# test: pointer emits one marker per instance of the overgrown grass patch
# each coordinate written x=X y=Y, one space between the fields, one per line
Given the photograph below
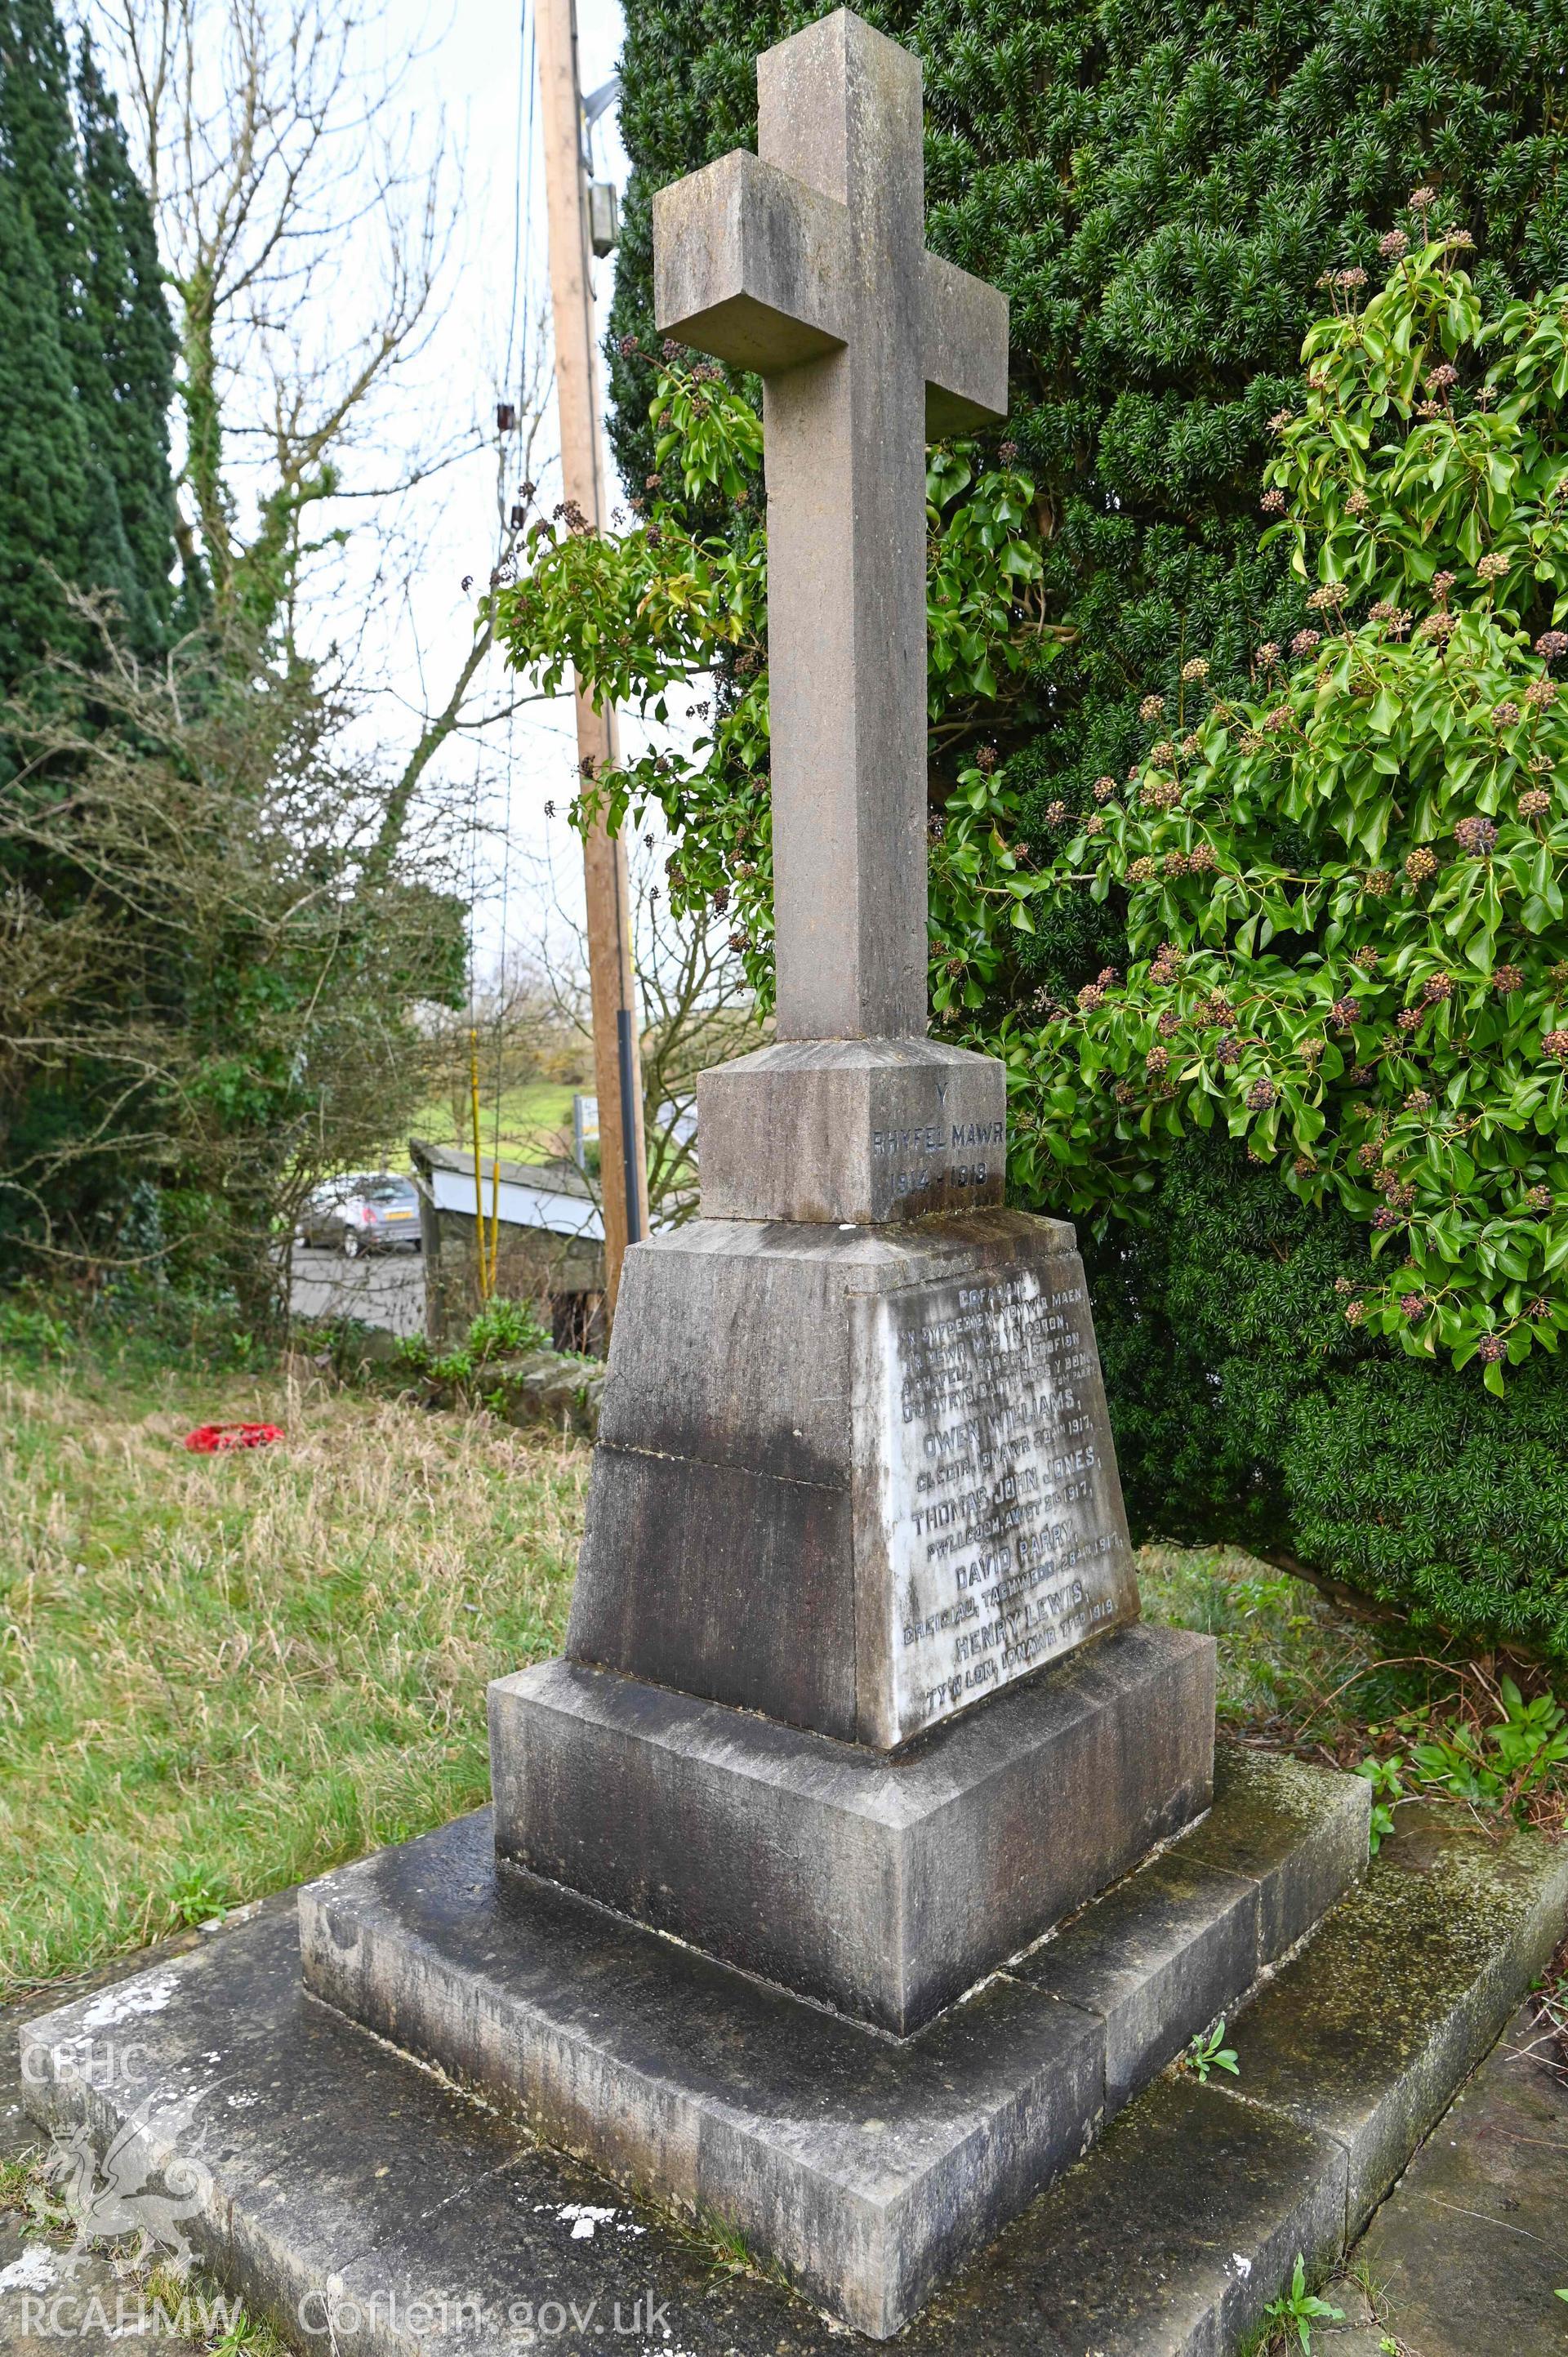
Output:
x=1291 y=1667
x=534 y=1123
x=219 y=1675
x=1424 y=1719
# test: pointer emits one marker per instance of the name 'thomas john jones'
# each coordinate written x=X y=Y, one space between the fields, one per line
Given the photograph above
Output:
x=1001 y=1512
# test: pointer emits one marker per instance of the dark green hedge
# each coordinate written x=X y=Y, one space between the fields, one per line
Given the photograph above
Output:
x=1247 y=1410
x=1159 y=186
x=86 y=358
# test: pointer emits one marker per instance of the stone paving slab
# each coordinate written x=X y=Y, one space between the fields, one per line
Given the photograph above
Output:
x=50 y=2304
x=1367 y=2033
x=1166 y=2241
x=868 y=2166
x=1155 y=1959
x=46 y=2295
x=1270 y=1823
x=353 y=2194
x=1471 y=2248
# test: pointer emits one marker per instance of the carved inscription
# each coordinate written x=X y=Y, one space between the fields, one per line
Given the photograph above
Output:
x=1004 y=1529
x=940 y=1153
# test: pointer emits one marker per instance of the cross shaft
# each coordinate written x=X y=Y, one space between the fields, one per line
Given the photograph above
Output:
x=807 y=263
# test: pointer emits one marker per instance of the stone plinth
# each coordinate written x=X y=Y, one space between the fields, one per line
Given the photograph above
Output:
x=853 y=1131
x=344 y=2193
x=883 y=1889
x=867 y=2168
x=858 y=1481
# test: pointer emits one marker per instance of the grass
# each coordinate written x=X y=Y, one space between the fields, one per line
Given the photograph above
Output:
x=193 y=2307
x=1292 y=1670
x=535 y=1124
x=1295 y=1673
x=221 y=1674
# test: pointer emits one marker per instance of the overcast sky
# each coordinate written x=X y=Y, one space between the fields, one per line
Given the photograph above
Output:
x=479 y=70
x=448 y=87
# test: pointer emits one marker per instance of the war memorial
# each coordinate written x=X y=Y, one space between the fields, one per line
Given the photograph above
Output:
x=865 y=1856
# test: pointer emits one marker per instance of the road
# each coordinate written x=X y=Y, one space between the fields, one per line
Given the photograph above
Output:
x=385 y=1290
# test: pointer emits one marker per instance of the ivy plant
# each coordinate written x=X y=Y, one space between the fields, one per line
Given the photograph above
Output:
x=659 y=607
x=1343 y=891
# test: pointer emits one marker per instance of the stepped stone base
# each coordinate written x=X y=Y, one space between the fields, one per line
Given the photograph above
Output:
x=867 y=2168
x=883 y=1888
x=365 y=2206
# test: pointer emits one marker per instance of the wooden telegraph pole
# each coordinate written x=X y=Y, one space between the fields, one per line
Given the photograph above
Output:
x=623 y=1161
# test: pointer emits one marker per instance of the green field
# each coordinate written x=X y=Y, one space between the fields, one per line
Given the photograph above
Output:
x=535 y=1124
x=219 y=1674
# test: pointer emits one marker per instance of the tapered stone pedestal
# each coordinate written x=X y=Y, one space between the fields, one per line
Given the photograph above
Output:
x=856 y=1479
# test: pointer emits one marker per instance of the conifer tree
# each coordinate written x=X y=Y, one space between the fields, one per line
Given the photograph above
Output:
x=44 y=498
x=86 y=506
x=86 y=358
x=128 y=345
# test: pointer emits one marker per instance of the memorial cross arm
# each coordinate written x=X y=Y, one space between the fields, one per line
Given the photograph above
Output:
x=963 y=327
x=751 y=266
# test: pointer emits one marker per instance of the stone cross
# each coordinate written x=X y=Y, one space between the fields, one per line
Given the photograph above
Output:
x=807 y=263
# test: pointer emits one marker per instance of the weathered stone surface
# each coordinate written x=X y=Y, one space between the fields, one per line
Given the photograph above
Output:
x=882 y=1888
x=1470 y=2250
x=719 y=1580
x=855 y=1131
x=190 y=2070
x=867 y=2168
x=1300 y=1834
x=49 y=2295
x=807 y=261
x=420 y=2228
x=1165 y=2241
x=751 y=265
x=1168 y=2241
x=1177 y=1942
x=1367 y=2033
x=351 y=2199
x=1157 y=1959
x=898 y=1436
x=732 y=1340
x=541 y=1387
x=990 y=1536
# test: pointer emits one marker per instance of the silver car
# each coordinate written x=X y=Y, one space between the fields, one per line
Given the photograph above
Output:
x=363 y=1211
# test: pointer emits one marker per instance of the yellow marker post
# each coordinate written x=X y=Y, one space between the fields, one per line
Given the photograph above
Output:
x=495 y=1200
x=478 y=1181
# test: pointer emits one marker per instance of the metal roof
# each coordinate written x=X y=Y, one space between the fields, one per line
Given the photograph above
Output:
x=553 y=1196
x=518 y=1203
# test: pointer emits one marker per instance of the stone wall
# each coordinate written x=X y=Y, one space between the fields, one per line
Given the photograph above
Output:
x=564 y=1273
